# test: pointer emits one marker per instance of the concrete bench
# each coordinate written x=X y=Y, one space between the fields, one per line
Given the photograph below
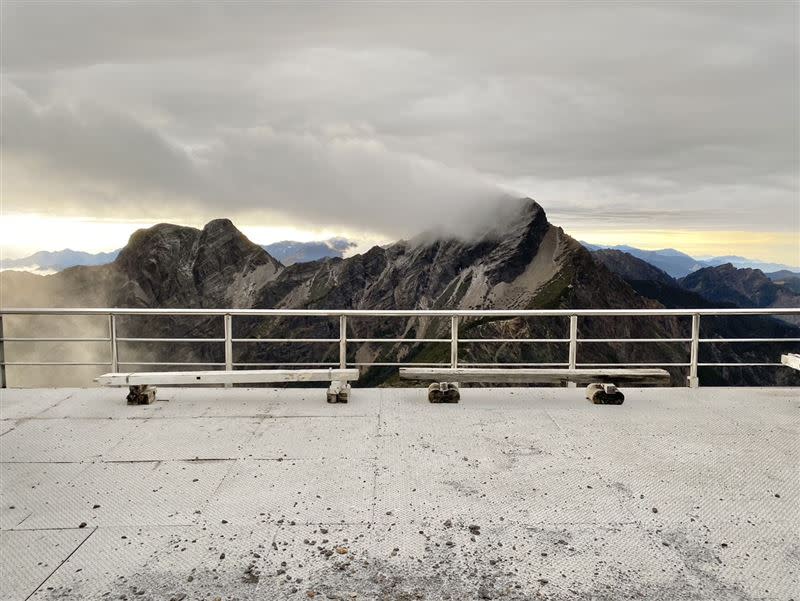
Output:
x=142 y=384
x=601 y=382
x=791 y=360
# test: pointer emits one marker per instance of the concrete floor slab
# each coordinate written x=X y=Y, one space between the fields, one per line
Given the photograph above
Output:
x=324 y=491
x=34 y=491
x=342 y=436
x=110 y=494
x=62 y=439
x=29 y=557
x=186 y=438
x=513 y=493
x=14 y=405
x=163 y=562
x=183 y=402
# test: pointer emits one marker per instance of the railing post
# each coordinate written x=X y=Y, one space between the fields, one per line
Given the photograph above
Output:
x=2 y=357
x=228 y=322
x=342 y=341
x=573 y=345
x=454 y=341
x=112 y=334
x=693 y=380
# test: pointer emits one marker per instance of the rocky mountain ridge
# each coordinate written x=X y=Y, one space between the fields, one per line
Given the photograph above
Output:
x=523 y=263
x=741 y=287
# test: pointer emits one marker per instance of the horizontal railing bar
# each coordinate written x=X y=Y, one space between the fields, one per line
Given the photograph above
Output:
x=55 y=339
x=402 y=312
x=634 y=364
x=24 y=363
x=166 y=363
x=273 y=340
x=634 y=340
x=120 y=339
x=740 y=364
x=504 y=340
x=396 y=364
x=328 y=364
x=330 y=340
x=400 y=340
x=466 y=364
x=750 y=340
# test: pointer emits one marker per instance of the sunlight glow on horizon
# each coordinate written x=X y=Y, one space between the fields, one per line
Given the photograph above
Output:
x=776 y=247
x=23 y=234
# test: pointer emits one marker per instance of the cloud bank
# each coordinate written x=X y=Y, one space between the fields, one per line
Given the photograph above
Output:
x=387 y=118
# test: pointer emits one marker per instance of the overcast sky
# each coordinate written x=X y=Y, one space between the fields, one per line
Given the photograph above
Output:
x=677 y=121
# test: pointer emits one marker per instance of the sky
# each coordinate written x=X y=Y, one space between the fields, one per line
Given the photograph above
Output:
x=650 y=124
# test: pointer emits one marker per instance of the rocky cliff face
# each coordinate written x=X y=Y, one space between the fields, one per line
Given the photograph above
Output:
x=162 y=266
x=526 y=264
x=529 y=264
x=172 y=266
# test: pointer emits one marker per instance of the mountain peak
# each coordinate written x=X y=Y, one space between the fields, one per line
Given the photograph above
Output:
x=220 y=225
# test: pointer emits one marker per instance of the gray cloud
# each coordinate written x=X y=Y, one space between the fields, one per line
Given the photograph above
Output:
x=387 y=117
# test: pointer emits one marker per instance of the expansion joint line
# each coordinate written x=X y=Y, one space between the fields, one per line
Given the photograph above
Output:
x=66 y=559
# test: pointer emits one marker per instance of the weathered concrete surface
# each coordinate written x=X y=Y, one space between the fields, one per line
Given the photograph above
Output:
x=511 y=494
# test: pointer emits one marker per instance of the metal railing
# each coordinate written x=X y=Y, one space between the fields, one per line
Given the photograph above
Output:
x=342 y=340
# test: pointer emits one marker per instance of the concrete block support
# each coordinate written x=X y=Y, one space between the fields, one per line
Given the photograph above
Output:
x=338 y=392
x=444 y=392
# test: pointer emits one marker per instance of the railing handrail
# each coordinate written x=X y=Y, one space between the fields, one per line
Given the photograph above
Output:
x=402 y=312
x=343 y=314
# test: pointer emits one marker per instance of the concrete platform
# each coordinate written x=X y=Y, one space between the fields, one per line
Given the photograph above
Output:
x=515 y=493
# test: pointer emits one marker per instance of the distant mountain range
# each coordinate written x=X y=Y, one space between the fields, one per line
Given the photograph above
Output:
x=674 y=262
x=522 y=263
x=286 y=251
x=45 y=262
x=679 y=264
x=718 y=286
x=289 y=252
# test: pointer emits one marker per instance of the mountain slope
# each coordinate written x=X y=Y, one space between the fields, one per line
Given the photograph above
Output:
x=742 y=287
x=787 y=279
x=528 y=263
x=631 y=268
x=669 y=260
x=672 y=295
x=678 y=264
x=162 y=266
x=745 y=263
